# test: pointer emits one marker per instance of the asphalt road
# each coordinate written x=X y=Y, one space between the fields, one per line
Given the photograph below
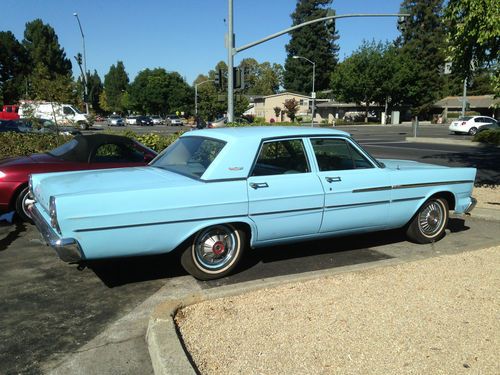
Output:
x=49 y=308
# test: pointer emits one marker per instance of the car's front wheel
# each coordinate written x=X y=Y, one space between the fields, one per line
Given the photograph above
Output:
x=429 y=223
x=22 y=202
x=214 y=252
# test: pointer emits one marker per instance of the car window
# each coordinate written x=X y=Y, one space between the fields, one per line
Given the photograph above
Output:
x=190 y=155
x=479 y=119
x=65 y=148
x=68 y=111
x=281 y=157
x=117 y=153
x=337 y=154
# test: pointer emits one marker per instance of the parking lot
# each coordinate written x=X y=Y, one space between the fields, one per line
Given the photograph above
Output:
x=50 y=308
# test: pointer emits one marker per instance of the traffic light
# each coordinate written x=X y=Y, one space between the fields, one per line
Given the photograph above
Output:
x=217 y=79
x=237 y=78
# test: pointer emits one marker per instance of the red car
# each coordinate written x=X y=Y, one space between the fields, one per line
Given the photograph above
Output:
x=97 y=151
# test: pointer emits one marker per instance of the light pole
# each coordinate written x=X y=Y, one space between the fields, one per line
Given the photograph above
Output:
x=85 y=88
x=196 y=95
x=313 y=94
x=232 y=51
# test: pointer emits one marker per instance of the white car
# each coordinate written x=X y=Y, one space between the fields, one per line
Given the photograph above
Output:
x=174 y=120
x=157 y=120
x=131 y=120
x=473 y=124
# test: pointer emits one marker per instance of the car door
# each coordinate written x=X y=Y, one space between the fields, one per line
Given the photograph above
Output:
x=285 y=196
x=357 y=191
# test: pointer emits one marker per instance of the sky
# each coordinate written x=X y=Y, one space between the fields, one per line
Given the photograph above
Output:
x=186 y=36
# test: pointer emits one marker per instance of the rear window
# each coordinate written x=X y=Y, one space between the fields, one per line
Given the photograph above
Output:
x=63 y=149
x=189 y=156
x=465 y=118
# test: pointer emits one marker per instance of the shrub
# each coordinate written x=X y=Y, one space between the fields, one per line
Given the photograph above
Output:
x=488 y=136
x=19 y=144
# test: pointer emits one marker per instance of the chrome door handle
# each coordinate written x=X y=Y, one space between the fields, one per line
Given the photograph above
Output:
x=333 y=179
x=258 y=185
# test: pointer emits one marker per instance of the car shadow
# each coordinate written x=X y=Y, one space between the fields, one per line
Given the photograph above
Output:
x=18 y=228
x=457 y=225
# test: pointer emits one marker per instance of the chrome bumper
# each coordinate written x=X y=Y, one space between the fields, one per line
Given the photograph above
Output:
x=472 y=204
x=68 y=249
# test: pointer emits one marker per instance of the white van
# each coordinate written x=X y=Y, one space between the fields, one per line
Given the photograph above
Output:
x=64 y=114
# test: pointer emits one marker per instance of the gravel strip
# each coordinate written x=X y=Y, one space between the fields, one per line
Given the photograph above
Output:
x=435 y=316
x=487 y=197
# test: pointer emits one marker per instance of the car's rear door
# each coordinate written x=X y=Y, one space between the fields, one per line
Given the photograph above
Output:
x=285 y=196
x=357 y=191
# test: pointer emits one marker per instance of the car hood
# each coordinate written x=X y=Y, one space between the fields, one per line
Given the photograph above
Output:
x=105 y=181
x=407 y=164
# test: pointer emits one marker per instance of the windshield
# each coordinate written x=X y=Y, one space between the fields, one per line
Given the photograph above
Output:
x=76 y=110
x=63 y=149
x=189 y=156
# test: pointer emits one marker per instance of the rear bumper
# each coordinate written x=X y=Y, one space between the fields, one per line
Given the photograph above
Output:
x=68 y=249
x=472 y=204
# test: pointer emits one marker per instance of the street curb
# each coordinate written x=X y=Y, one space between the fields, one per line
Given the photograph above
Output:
x=488 y=214
x=446 y=141
x=166 y=350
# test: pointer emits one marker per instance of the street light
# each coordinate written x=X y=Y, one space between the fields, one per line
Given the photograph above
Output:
x=313 y=94
x=84 y=64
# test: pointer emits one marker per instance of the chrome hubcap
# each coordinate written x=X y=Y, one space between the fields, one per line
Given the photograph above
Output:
x=215 y=247
x=430 y=219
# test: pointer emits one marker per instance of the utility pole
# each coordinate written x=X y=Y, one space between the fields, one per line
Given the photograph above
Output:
x=84 y=65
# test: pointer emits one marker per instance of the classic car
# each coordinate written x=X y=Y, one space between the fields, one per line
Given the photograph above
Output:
x=213 y=194
x=82 y=152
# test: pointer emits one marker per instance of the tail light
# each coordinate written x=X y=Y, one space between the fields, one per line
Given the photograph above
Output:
x=2 y=175
x=53 y=214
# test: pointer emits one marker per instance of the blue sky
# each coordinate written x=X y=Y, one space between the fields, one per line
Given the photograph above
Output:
x=186 y=36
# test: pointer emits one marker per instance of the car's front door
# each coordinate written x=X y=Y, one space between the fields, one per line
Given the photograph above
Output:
x=285 y=197
x=357 y=191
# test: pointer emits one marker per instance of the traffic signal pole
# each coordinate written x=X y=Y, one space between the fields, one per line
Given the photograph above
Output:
x=232 y=51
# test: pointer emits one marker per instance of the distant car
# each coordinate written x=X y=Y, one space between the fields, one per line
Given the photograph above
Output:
x=473 y=124
x=36 y=126
x=115 y=120
x=97 y=151
x=222 y=122
x=13 y=126
x=214 y=193
x=173 y=120
x=144 y=121
x=157 y=120
x=131 y=120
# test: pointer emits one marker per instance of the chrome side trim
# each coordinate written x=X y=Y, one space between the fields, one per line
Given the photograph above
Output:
x=68 y=249
x=378 y=188
x=410 y=186
x=472 y=204
x=357 y=204
x=406 y=199
x=287 y=211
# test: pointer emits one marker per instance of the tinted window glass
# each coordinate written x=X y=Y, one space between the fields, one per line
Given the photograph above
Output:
x=63 y=149
x=190 y=155
x=281 y=157
x=117 y=153
x=337 y=154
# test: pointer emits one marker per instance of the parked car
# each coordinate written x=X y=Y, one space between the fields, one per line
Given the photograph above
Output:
x=35 y=125
x=64 y=114
x=144 y=121
x=115 y=120
x=157 y=120
x=14 y=126
x=96 y=151
x=131 y=120
x=214 y=193
x=222 y=122
x=473 y=124
x=173 y=120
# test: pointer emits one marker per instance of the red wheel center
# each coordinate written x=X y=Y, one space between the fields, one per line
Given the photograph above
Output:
x=218 y=248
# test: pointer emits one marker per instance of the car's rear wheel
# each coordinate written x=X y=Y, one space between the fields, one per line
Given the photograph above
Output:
x=22 y=201
x=429 y=223
x=214 y=252
x=473 y=131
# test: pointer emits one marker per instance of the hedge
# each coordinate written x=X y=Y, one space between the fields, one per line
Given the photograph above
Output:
x=488 y=136
x=19 y=144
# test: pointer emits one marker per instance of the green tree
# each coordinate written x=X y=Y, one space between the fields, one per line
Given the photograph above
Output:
x=422 y=44
x=367 y=76
x=94 y=88
x=13 y=68
x=316 y=42
x=115 y=85
x=473 y=33
x=42 y=45
x=261 y=79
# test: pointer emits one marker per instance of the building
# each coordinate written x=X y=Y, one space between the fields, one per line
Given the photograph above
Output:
x=485 y=105
x=264 y=106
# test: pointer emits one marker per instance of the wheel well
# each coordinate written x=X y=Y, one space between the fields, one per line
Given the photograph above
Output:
x=245 y=227
x=450 y=198
x=12 y=203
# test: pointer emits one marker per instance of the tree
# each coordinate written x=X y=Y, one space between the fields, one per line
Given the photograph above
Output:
x=366 y=76
x=261 y=79
x=277 y=111
x=42 y=45
x=115 y=85
x=291 y=108
x=94 y=88
x=473 y=34
x=13 y=68
x=422 y=45
x=317 y=42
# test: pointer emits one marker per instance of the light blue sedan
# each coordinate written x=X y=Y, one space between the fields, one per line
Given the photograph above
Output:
x=215 y=193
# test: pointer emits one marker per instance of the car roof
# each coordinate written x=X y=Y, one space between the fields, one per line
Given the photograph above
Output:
x=263 y=132
x=89 y=142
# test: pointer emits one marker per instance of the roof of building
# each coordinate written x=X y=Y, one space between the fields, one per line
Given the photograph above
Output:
x=475 y=101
